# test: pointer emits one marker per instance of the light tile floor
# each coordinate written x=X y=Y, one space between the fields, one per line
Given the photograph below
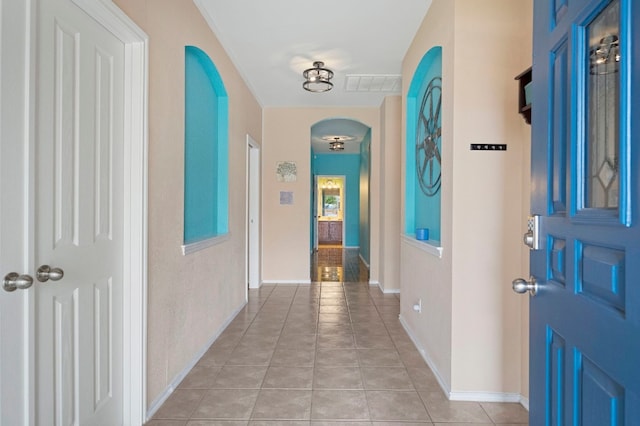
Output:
x=329 y=353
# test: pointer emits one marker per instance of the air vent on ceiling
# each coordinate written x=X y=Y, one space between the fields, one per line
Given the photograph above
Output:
x=388 y=83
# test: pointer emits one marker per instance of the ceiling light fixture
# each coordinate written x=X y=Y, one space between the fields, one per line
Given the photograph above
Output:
x=317 y=78
x=336 y=145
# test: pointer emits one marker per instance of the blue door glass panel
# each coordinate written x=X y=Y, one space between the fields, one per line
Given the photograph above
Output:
x=585 y=318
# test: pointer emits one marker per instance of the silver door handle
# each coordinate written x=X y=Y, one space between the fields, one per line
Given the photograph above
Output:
x=46 y=273
x=13 y=281
x=521 y=286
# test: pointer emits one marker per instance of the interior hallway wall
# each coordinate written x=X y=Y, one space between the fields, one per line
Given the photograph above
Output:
x=390 y=207
x=425 y=277
x=365 y=199
x=189 y=297
x=286 y=233
x=470 y=327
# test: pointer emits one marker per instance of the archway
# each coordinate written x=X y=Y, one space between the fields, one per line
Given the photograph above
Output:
x=340 y=150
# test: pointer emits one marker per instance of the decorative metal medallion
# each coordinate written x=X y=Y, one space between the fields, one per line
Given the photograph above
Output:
x=428 y=139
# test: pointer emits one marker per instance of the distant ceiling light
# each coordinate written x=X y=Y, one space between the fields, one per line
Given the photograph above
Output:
x=317 y=78
x=336 y=145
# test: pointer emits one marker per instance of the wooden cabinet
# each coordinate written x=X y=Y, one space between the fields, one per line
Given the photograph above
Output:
x=335 y=232
x=330 y=232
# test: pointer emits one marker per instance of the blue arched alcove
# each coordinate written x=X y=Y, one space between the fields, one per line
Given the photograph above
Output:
x=206 y=189
x=423 y=210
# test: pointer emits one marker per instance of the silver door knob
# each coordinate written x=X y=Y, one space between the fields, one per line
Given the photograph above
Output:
x=521 y=286
x=46 y=273
x=13 y=281
x=528 y=239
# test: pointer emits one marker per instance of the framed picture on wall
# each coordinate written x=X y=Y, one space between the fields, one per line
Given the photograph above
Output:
x=286 y=171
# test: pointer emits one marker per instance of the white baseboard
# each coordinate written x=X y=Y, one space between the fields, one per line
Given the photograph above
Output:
x=363 y=261
x=463 y=396
x=485 y=396
x=286 y=281
x=155 y=405
x=427 y=358
x=384 y=290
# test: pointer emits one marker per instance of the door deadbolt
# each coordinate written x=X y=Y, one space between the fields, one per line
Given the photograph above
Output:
x=531 y=238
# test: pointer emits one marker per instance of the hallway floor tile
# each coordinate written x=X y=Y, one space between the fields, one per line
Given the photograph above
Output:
x=326 y=354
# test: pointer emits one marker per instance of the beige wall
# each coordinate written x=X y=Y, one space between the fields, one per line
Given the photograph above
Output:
x=189 y=297
x=285 y=228
x=479 y=349
x=424 y=276
x=390 y=208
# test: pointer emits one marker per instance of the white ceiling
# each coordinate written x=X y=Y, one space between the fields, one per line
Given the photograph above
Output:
x=271 y=42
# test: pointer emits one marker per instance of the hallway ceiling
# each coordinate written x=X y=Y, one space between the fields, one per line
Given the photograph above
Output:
x=325 y=131
x=272 y=42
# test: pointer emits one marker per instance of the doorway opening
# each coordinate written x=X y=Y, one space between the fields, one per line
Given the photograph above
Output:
x=331 y=207
x=339 y=207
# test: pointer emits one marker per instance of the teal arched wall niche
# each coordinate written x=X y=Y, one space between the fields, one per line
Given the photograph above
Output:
x=206 y=188
x=421 y=211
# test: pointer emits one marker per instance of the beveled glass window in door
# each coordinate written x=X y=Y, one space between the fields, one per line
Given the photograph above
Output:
x=603 y=110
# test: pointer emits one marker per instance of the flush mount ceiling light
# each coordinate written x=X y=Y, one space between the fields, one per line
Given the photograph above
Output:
x=336 y=145
x=317 y=78
x=336 y=142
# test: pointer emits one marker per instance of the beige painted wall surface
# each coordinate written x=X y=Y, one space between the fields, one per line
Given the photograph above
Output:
x=422 y=275
x=485 y=44
x=189 y=297
x=390 y=207
x=285 y=228
x=488 y=217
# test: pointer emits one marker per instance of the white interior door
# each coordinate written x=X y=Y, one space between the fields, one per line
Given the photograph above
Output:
x=79 y=218
x=253 y=213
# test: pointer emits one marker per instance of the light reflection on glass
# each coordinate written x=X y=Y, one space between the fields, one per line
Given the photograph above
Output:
x=603 y=99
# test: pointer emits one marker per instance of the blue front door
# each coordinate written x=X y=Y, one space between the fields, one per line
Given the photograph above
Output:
x=585 y=318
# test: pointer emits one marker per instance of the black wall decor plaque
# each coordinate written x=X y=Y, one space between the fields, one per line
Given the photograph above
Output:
x=488 y=147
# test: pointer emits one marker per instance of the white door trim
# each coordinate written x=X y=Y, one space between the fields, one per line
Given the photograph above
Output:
x=253 y=213
x=16 y=382
x=314 y=214
x=135 y=199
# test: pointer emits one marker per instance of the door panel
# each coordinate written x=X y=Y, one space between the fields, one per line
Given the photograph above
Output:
x=585 y=160
x=560 y=117
x=79 y=218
